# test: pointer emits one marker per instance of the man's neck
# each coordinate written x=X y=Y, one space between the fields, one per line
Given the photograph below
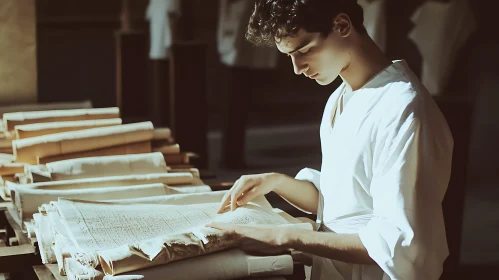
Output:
x=366 y=61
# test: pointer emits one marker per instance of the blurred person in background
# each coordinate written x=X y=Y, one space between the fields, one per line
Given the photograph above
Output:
x=243 y=63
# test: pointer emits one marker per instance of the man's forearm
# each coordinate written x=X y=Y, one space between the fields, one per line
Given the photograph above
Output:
x=342 y=247
x=302 y=194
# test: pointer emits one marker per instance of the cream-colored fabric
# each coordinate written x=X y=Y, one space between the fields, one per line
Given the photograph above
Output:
x=19 y=118
x=160 y=29
x=28 y=150
x=39 y=129
x=127 y=149
x=29 y=107
x=439 y=41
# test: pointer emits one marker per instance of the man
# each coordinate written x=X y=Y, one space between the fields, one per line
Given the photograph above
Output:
x=386 y=152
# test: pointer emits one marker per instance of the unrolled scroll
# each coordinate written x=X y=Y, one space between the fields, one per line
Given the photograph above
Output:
x=19 y=118
x=27 y=201
x=178 y=231
x=39 y=129
x=28 y=150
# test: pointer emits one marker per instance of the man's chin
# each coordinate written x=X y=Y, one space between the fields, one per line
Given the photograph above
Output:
x=324 y=82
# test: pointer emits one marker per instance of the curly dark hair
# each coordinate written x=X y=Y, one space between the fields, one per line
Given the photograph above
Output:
x=273 y=20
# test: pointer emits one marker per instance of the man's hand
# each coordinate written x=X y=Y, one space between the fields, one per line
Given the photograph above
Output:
x=247 y=188
x=257 y=239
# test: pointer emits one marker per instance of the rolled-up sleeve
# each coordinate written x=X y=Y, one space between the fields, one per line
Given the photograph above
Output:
x=313 y=176
x=411 y=170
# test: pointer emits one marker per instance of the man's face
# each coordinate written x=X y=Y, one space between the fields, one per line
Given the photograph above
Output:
x=317 y=57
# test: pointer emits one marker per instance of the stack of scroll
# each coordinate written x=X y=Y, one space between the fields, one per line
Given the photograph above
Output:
x=42 y=137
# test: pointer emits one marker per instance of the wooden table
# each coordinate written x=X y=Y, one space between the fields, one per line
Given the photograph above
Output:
x=17 y=260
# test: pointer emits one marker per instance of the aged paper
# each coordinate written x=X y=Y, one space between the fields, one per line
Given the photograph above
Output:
x=127 y=149
x=162 y=133
x=179 y=232
x=39 y=129
x=27 y=201
x=29 y=107
x=10 y=120
x=167 y=149
x=28 y=150
x=11 y=168
x=180 y=178
x=176 y=159
x=103 y=166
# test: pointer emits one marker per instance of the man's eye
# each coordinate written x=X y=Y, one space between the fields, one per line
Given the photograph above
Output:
x=305 y=51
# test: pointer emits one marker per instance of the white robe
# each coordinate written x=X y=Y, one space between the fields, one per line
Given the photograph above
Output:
x=375 y=20
x=159 y=27
x=439 y=41
x=386 y=163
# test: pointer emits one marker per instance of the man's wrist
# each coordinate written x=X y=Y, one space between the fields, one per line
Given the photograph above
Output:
x=278 y=181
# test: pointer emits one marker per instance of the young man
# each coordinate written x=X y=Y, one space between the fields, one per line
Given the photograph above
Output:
x=386 y=152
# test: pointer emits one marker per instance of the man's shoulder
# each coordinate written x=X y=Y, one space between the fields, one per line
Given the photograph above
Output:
x=399 y=97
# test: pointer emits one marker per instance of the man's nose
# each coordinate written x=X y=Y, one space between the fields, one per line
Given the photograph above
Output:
x=299 y=65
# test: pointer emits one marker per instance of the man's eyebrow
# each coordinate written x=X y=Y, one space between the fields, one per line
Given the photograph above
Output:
x=301 y=46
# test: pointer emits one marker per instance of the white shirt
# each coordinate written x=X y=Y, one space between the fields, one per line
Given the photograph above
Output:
x=386 y=163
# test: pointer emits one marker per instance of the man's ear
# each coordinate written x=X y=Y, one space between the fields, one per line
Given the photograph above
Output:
x=342 y=25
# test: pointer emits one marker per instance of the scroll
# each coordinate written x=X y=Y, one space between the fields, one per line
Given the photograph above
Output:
x=30 y=149
x=39 y=129
x=45 y=106
x=167 y=149
x=133 y=148
x=19 y=118
x=11 y=168
x=177 y=159
x=158 y=231
x=6 y=158
x=111 y=181
x=27 y=201
x=162 y=133
x=92 y=167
